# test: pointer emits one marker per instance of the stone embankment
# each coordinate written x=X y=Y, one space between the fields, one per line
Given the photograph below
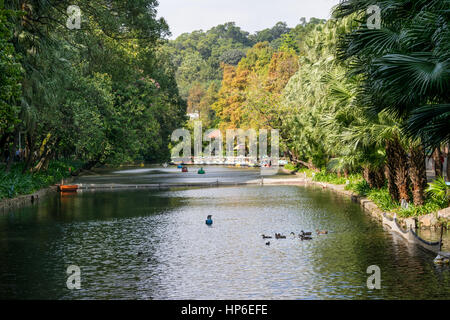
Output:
x=432 y=220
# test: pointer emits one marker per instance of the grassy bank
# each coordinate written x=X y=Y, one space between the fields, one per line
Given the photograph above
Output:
x=380 y=197
x=16 y=183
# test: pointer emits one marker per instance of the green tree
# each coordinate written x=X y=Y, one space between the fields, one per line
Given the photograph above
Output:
x=405 y=63
x=10 y=86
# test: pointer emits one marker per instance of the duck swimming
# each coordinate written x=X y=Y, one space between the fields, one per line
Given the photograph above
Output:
x=303 y=233
x=266 y=237
x=322 y=231
x=268 y=243
x=305 y=238
x=279 y=236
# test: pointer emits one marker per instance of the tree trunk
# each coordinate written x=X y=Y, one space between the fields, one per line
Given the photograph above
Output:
x=401 y=172
x=50 y=155
x=3 y=144
x=346 y=173
x=437 y=162
x=448 y=161
x=378 y=178
x=390 y=171
x=12 y=152
x=367 y=176
x=294 y=158
x=418 y=174
x=47 y=151
x=42 y=161
x=397 y=161
x=30 y=154
x=309 y=165
x=373 y=176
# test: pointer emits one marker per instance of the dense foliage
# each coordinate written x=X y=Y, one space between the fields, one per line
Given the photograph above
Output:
x=104 y=93
x=15 y=182
x=349 y=100
x=203 y=59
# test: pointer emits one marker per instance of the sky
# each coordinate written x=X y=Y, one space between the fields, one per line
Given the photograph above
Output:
x=251 y=15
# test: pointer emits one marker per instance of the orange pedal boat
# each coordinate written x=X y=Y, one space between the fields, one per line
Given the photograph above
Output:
x=67 y=188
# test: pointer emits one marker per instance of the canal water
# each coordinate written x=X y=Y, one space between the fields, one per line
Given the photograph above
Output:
x=154 y=244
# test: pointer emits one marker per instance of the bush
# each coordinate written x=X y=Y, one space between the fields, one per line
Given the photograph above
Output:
x=290 y=167
x=324 y=176
x=431 y=205
x=362 y=188
x=439 y=190
x=16 y=183
x=382 y=199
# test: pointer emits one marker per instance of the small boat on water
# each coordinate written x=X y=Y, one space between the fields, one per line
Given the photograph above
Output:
x=67 y=188
x=185 y=169
x=201 y=171
x=179 y=166
x=209 y=220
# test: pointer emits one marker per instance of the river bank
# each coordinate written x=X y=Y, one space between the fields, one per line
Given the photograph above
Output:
x=429 y=221
x=19 y=187
x=142 y=244
x=27 y=199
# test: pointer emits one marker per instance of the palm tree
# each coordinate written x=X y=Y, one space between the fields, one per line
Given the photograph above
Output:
x=406 y=63
x=406 y=67
x=377 y=133
x=448 y=161
x=418 y=177
x=436 y=155
x=305 y=99
x=344 y=113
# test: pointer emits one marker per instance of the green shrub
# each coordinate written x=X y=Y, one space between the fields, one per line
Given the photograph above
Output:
x=304 y=170
x=362 y=188
x=382 y=199
x=16 y=183
x=431 y=205
x=290 y=167
x=438 y=189
x=329 y=177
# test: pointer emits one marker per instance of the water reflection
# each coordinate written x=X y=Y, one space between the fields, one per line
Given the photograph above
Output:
x=182 y=258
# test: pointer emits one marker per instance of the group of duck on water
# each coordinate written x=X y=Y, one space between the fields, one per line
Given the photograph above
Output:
x=302 y=235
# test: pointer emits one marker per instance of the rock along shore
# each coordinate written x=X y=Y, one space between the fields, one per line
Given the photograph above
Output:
x=431 y=220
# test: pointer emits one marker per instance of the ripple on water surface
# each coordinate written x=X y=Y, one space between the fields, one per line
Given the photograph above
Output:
x=182 y=258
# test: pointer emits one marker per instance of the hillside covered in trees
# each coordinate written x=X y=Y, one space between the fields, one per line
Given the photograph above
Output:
x=202 y=58
x=349 y=100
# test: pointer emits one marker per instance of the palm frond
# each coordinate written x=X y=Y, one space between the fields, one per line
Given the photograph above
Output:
x=431 y=123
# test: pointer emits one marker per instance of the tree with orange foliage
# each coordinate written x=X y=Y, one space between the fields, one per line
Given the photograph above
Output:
x=250 y=92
